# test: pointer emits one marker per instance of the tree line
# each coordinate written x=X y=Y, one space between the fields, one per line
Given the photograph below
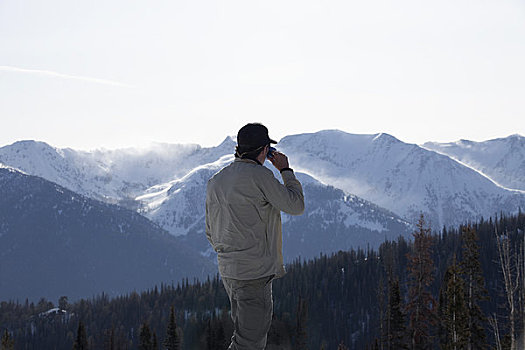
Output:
x=460 y=288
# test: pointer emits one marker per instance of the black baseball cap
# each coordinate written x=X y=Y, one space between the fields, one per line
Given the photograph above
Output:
x=253 y=135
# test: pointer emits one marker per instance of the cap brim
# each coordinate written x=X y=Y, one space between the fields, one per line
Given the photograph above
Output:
x=273 y=141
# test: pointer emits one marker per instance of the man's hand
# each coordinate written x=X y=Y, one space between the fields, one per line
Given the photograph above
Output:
x=279 y=160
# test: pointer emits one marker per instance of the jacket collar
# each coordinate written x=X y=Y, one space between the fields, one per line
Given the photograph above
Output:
x=247 y=160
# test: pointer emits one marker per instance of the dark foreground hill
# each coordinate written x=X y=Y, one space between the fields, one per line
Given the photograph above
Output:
x=340 y=297
x=54 y=242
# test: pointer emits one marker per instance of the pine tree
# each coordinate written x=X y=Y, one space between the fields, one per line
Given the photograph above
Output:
x=383 y=321
x=173 y=339
x=145 y=341
x=155 y=342
x=301 y=334
x=63 y=303
x=421 y=304
x=454 y=311
x=109 y=343
x=342 y=346
x=396 y=318
x=210 y=336
x=7 y=342
x=222 y=342
x=475 y=291
x=81 y=342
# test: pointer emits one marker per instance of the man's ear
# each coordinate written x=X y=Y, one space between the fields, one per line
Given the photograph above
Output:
x=266 y=149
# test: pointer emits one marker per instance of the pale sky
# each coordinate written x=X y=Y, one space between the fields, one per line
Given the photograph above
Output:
x=115 y=73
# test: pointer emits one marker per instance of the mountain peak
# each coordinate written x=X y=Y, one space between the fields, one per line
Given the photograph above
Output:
x=516 y=139
x=26 y=144
x=37 y=148
x=228 y=142
x=336 y=133
x=383 y=136
x=465 y=143
x=328 y=134
x=512 y=138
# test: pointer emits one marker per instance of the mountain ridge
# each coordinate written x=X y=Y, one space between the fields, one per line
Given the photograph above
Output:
x=56 y=242
x=387 y=179
x=500 y=159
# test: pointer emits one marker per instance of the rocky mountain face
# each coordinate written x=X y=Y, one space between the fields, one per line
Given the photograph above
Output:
x=335 y=221
x=56 y=242
x=502 y=160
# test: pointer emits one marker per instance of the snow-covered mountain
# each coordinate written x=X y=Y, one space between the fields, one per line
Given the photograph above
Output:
x=502 y=160
x=115 y=176
x=166 y=182
x=403 y=178
x=332 y=220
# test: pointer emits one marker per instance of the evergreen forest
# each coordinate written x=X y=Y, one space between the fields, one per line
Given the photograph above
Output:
x=460 y=288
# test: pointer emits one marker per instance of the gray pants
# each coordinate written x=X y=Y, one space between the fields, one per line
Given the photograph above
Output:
x=252 y=307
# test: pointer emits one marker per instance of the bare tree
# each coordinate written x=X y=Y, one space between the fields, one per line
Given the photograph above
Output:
x=493 y=321
x=508 y=261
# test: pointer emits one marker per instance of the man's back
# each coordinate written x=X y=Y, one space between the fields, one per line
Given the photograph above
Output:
x=243 y=221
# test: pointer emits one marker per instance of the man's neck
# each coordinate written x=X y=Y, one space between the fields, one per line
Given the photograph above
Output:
x=261 y=158
x=256 y=160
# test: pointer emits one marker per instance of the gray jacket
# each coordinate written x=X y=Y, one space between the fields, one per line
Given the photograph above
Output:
x=243 y=218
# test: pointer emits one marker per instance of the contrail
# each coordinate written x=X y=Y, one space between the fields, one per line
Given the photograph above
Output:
x=64 y=76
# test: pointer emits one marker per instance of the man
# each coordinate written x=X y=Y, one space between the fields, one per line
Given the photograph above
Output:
x=243 y=224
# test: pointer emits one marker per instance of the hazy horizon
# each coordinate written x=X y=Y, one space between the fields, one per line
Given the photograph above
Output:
x=152 y=144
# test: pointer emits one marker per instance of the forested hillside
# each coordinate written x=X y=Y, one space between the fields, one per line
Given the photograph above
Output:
x=362 y=299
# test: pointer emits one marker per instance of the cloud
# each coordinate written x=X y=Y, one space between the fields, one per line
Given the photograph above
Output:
x=64 y=76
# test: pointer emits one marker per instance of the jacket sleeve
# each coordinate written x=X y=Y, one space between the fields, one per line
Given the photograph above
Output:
x=287 y=197
x=207 y=217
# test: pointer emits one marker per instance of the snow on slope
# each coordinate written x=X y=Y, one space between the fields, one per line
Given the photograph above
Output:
x=110 y=175
x=179 y=205
x=403 y=178
x=335 y=221
x=3 y=166
x=502 y=159
x=62 y=166
x=332 y=220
